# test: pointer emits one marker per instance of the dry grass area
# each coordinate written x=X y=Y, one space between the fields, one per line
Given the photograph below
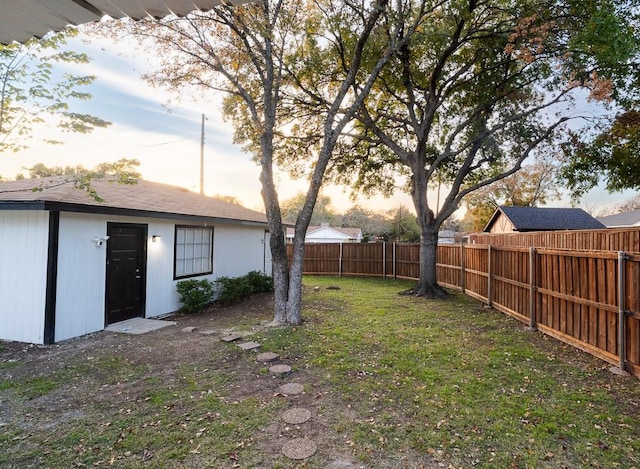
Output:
x=391 y=381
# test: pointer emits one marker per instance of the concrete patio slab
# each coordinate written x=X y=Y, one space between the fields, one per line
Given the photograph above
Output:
x=138 y=326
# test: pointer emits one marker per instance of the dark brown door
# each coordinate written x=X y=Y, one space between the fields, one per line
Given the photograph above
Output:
x=126 y=269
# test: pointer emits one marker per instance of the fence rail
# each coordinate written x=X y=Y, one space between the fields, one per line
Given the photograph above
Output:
x=588 y=299
x=609 y=239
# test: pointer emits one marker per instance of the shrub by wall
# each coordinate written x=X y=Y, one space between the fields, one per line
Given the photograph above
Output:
x=195 y=294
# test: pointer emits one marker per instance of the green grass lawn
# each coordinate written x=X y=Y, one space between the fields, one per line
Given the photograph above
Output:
x=425 y=380
x=462 y=383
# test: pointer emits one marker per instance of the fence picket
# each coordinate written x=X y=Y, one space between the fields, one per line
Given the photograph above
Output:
x=589 y=299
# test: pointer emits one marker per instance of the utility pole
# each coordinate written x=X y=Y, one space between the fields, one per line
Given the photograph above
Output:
x=202 y=156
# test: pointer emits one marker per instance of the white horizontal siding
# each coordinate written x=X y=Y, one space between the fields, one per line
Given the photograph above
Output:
x=23 y=274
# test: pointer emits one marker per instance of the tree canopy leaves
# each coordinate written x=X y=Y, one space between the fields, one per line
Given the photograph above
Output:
x=480 y=88
x=534 y=185
x=458 y=93
x=260 y=55
x=33 y=91
x=612 y=157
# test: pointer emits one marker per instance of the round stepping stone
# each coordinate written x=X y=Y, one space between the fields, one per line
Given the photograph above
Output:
x=280 y=369
x=299 y=448
x=189 y=329
x=291 y=388
x=296 y=416
x=267 y=357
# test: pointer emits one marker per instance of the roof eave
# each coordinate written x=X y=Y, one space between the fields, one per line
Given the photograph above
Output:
x=106 y=210
x=493 y=219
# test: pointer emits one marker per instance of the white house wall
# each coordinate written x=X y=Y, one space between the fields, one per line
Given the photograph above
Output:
x=327 y=235
x=80 y=296
x=82 y=266
x=23 y=274
x=162 y=297
x=268 y=264
x=237 y=251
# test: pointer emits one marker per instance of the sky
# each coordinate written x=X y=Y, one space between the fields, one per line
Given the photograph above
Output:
x=166 y=139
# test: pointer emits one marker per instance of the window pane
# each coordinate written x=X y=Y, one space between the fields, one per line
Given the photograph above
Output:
x=179 y=268
x=193 y=251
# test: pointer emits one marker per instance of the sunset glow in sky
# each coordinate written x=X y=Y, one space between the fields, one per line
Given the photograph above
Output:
x=166 y=140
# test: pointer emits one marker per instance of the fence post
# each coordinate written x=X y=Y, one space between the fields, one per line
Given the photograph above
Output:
x=384 y=260
x=340 y=262
x=462 y=282
x=489 y=276
x=622 y=313
x=393 y=254
x=532 y=288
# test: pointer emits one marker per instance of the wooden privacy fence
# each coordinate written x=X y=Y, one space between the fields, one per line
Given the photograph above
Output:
x=588 y=299
x=609 y=239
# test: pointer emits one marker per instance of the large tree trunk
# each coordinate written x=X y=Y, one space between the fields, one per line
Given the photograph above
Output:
x=428 y=283
x=277 y=242
x=294 y=302
x=280 y=265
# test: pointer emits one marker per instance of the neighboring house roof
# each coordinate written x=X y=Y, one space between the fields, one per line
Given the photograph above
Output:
x=545 y=219
x=351 y=233
x=20 y=20
x=621 y=219
x=144 y=198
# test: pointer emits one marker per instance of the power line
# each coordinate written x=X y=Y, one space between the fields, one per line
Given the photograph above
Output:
x=163 y=143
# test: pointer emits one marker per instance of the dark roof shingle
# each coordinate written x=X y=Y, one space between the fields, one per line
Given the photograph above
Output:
x=142 y=198
x=546 y=218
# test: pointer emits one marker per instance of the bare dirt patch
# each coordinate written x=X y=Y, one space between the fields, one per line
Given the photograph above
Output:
x=108 y=374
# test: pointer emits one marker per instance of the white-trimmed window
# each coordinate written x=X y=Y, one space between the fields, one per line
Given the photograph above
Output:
x=193 y=251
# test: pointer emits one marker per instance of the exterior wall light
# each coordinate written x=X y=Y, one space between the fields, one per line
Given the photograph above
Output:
x=99 y=240
x=155 y=238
